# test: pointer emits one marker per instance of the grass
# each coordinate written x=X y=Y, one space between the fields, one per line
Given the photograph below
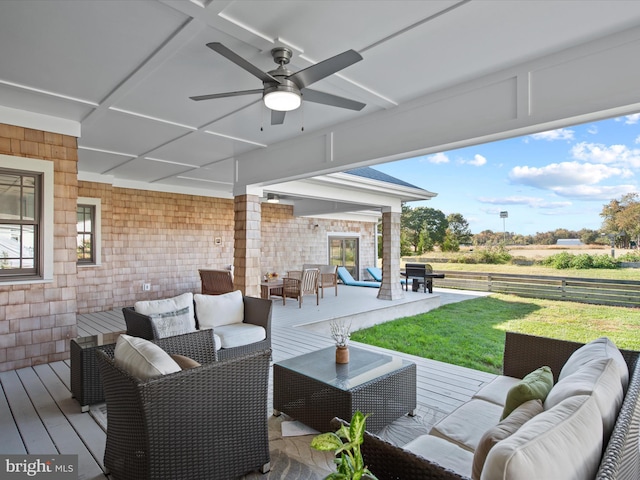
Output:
x=471 y=333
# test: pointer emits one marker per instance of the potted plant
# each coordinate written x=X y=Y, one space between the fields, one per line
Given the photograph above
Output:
x=341 y=333
x=346 y=442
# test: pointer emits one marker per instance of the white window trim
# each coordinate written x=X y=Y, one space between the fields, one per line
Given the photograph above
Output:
x=97 y=233
x=45 y=168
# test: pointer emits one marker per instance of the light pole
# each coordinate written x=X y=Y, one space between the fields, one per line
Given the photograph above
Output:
x=503 y=216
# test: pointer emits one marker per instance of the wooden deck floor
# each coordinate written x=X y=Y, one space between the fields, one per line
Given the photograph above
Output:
x=38 y=415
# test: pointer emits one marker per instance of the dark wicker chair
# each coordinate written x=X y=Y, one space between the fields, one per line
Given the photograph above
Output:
x=257 y=311
x=216 y=282
x=523 y=354
x=208 y=422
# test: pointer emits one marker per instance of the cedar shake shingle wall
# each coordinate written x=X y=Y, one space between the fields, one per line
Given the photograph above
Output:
x=288 y=242
x=37 y=320
x=156 y=238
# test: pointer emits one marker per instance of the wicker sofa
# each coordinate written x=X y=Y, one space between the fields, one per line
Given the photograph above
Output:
x=256 y=312
x=616 y=454
x=180 y=425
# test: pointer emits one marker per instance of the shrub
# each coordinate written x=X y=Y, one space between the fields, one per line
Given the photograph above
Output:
x=566 y=260
x=629 y=257
x=489 y=255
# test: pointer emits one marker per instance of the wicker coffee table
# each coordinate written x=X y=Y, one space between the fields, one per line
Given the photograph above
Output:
x=313 y=388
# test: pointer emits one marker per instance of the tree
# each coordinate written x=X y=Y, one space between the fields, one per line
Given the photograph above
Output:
x=413 y=221
x=622 y=218
x=450 y=243
x=425 y=244
x=459 y=228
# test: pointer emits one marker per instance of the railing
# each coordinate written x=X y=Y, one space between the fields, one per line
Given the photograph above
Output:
x=625 y=293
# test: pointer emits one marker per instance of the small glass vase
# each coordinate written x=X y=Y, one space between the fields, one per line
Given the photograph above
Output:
x=342 y=354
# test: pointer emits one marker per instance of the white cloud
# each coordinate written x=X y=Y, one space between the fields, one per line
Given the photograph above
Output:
x=595 y=192
x=563 y=174
x=535 y=202
x=593 y=129
x=638 y=139
x=632 y=119
x=438 y=158
x=478 y=160
x=619 y=155
x=551 y=135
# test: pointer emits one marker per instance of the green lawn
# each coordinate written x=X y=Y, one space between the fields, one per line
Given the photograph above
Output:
x=471 y=333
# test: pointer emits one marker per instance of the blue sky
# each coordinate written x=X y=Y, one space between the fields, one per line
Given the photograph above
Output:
x=555 y=179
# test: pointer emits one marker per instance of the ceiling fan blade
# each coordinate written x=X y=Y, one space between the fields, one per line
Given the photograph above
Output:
x=309 y=75
x=277 y=117
x=227 y=94
x=241 y=62
x=315 y=96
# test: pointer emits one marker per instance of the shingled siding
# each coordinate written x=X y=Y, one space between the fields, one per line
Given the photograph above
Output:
x=37 y=320
x=164 y=238
x=288 y=242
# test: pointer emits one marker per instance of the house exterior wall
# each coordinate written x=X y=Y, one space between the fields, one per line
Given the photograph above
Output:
x=288 y=242
x=37 y=320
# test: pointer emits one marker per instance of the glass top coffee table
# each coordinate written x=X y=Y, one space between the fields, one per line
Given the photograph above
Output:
x=313 y=388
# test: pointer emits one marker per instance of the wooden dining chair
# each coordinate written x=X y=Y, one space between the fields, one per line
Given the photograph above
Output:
x=297 y=288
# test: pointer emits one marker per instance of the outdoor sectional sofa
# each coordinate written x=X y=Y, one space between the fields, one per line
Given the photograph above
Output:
x=240 y=324
x=586 y=427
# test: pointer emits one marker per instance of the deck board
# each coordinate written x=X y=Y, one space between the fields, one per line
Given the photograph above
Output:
x=38 y=414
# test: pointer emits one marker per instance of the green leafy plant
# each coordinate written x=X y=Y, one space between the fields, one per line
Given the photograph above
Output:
x=346 y=443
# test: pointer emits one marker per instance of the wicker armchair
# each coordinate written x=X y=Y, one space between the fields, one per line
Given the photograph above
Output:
x=205 y=422
x=216 y=282
x=297 y=288
x=257 y=311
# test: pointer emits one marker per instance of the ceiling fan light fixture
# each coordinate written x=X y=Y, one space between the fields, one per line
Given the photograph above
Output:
x=273 y=198
x=282 y=101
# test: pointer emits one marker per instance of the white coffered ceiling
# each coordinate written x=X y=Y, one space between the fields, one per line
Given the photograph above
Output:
x=125 y=70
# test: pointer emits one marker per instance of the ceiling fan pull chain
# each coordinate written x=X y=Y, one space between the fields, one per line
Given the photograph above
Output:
x=262 y=118
x=302 y=117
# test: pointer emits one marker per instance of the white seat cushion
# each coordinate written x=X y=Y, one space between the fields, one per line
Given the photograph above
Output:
x=174 y=304
x=496 y=390
x=239 y=334
x=564 y=443
x=143 y=359
x=466 y=425
x=217 y=310
x=599 y=348
x=443 y=453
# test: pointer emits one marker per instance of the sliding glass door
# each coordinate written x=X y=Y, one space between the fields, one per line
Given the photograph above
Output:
x=343 y=252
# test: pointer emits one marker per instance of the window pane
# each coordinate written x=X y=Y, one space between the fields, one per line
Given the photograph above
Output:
x=28 y=242
x=29 y=204
x=10 y=203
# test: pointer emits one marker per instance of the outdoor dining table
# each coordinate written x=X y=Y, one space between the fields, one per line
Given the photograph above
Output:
x=271 y=287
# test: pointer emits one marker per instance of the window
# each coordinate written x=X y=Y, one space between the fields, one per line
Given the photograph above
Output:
x=86 y=241
x=26 y=220
x=88 y=229
x=20 y=217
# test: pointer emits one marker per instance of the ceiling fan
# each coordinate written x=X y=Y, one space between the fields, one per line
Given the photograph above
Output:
x=284 y=90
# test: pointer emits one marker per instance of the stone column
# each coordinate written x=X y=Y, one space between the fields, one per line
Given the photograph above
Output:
x=246 y=256
x=390 y=288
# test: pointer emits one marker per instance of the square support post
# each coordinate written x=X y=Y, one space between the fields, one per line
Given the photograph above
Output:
x=390 y=288
x=246 y=255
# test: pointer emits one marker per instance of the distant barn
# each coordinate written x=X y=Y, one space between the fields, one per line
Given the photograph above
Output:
x=569 y=242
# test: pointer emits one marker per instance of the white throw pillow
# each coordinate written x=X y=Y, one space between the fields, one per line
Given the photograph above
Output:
x=600 y=348
x=217 y=310
x=172 y=323
x=599 y=378
x=142 y=358
x=563 y=443
x=148 y=307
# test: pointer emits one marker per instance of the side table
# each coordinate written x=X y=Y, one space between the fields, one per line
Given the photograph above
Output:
x=86 y=386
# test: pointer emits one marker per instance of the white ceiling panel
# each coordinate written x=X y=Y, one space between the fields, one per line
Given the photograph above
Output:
x=99 y=162
x=81 y=49
x=200 y=149
x=143 y=170
x=122 y=133
x=42 y=102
